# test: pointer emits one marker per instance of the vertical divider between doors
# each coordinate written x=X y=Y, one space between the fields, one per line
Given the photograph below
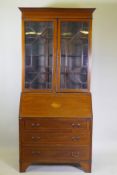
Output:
x=58 y=56
x=54 y=66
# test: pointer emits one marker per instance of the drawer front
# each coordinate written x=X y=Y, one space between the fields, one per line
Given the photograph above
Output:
x=54 y=138
x=58 y=155
x=58 y=123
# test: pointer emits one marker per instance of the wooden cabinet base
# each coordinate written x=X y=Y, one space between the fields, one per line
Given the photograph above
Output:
x=83 y=165
x=57 y=140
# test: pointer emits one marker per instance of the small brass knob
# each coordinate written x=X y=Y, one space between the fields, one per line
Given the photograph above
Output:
x=35 y=124
x=75 y=154
x=76 y=125
x=35 y=138
x=75 y=138
x=35 y=153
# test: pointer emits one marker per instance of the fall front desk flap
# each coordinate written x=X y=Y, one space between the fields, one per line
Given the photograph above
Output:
x=56 y=105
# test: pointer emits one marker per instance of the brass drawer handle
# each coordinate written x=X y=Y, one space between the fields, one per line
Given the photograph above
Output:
x=76 y=138
x=35 y=124
x=35 y=153
x=75 y=125
x=75 y=154
x=35 y=138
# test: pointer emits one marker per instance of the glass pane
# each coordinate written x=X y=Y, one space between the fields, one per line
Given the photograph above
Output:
x=74 y=55
x=38 y=55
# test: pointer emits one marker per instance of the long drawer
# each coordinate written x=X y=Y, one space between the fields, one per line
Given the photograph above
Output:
x=56 y=155
x=55 y=123
x=56 y=138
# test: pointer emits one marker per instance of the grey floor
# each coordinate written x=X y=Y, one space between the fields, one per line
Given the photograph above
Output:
x=104 y=163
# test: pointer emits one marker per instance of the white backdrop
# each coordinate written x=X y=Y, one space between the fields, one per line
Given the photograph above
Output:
x=104 y=68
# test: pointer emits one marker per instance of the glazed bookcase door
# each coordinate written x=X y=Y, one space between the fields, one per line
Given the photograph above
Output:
x=73 y=55
x=39 y=55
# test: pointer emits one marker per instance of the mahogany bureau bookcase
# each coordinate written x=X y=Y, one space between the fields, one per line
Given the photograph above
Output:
x=55 y=118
